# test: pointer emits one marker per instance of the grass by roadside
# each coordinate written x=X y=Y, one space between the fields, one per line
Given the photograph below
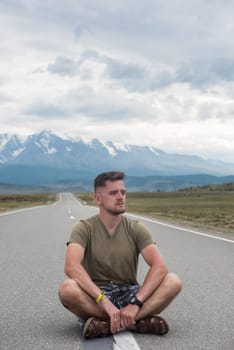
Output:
x=210 y=211
x=18 y=201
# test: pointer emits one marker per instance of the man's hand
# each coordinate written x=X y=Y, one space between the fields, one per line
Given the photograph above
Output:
x=115 y=319
x=114 y=314
x=128 y=316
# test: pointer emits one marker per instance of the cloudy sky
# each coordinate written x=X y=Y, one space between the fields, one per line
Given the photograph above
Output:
x=150 y=72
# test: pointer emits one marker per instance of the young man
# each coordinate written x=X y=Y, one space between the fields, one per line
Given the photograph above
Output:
x=101 y=263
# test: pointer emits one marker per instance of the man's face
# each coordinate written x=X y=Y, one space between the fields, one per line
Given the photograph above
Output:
x=111 y=197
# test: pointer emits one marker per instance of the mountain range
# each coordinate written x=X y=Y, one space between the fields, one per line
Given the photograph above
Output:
x=45 y=159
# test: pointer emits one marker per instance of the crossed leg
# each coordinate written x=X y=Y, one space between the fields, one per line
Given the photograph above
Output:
x=82 y=305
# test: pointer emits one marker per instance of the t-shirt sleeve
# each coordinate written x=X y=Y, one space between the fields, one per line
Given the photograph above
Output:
x=143 y=236
x=79 y=234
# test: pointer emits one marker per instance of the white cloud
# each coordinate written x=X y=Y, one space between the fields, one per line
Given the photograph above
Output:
x=150 y=72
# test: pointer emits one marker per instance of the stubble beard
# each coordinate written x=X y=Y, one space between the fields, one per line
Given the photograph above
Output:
x=116 y=211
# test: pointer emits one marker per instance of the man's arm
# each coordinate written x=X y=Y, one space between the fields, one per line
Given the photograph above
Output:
x=75 y=270
x=156 y=273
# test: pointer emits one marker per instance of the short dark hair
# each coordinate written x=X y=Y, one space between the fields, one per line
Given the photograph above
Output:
x=100 y=180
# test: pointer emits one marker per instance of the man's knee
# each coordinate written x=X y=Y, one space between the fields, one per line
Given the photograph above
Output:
x=68 y=290
x=173 y=282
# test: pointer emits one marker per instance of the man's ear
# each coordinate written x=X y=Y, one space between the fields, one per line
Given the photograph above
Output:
x=96 y=198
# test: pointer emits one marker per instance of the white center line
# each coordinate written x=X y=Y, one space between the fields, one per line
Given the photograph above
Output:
x=125 y=341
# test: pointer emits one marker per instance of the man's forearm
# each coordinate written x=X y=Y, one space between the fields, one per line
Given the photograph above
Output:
x=151 y=282
x=84 y=281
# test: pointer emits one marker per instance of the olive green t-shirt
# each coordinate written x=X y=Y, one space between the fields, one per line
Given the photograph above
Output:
x=111 y=257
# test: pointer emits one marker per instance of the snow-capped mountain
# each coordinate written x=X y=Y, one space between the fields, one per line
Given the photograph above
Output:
x=51 y=158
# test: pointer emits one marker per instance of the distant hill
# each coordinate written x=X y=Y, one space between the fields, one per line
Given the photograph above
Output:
x=229 y=186
x=134 y=184
x=175 y=183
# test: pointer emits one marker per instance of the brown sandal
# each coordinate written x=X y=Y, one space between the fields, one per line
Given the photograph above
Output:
x=96 y=328
x=152 y=324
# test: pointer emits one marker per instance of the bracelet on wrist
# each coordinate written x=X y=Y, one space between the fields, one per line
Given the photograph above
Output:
x=100 y=297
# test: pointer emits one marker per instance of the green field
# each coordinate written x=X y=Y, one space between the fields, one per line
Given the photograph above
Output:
x=204 y=209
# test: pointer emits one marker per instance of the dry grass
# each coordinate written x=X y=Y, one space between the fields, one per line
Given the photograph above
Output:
x=18 y=201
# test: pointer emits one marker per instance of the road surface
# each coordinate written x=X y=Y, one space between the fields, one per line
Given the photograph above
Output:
x=32 y=250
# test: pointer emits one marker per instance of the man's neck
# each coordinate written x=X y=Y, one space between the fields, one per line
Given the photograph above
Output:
x=110 y=221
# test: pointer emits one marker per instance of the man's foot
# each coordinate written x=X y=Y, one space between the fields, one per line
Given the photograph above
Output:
x=96 y=328
x=101 y=328
x=152 y=324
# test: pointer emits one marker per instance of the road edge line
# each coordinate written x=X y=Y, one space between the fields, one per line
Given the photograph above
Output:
x=181 y=228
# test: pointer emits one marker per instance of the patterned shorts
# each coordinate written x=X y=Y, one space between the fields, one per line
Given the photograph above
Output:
x=119 y=294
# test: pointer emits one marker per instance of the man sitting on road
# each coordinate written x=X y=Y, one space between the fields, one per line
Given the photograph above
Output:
x=101 y=263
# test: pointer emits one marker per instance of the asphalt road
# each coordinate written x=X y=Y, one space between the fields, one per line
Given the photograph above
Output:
x=32 y=250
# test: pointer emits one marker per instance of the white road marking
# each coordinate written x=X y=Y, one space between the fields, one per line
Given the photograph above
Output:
x=70 y=214
x=181 y=228
x=125 y=341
